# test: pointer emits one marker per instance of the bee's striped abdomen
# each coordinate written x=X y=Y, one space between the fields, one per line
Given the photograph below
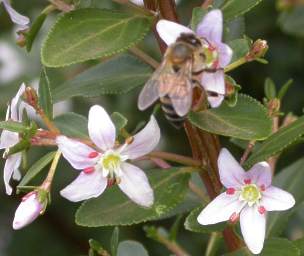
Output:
x=170 y=114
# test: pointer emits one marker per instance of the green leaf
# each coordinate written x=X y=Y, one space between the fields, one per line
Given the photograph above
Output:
x=13 y=126
x=292 y=21
x=272 y=247
x=240 y=48
x=97 y=247
x=72 y=125
x=191 y=223
x=87 y=34
x=234 y=29
x=169 y=186
x=131 y=248
x=248 y=120
x=277 y=142
x=119 y=120
x=291 y=180
x=235 y=8
x=37 y=167
x=198 y=14
x=34 y=30
x=114 y=241
x=118 y=75
x=300 y=245
x=270 y=89
x=44 y=94
x=284 y=89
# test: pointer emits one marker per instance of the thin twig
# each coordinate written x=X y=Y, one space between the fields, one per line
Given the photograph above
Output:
x=200 y=193
x=207 y=3
x=145 y=57
x=248 y=150
x=62 y=6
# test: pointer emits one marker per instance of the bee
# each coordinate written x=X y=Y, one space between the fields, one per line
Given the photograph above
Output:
x=173 y=81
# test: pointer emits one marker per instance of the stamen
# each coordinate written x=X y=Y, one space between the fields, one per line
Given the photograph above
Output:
x=215 y=64
x=262 y=187
x=89 y=170
x=230 y=191
x=234 y=218
x=247 y=181
x=93 y=154
x=261 y=209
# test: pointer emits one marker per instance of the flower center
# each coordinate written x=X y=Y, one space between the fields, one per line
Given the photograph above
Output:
x=251 y=194
x=111 y=162
x=211 y=56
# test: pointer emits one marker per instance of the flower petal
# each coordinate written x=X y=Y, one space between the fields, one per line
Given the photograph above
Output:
x=8 y=139
x=101 y=128
x=220 y=209
x=276 y=199
x=75 y=152
x=214 y=81
x=211 y=27
x=169 y=31
x=15 y=104
x=215 y=101
x=231 y=173
x=225 y=54
x=16 y=17
x=11 y=165
x=253 y=226
x=144 y=141
x=27 y=211
x=260 y=174
x=85 y=186
x=135 y=184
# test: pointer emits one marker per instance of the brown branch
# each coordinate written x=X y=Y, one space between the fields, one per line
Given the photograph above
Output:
x=247 y=151
x=168 y=10
x=207 y=3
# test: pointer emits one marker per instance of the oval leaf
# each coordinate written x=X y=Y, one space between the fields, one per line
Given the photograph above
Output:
x=248 y=120
x=131 y=248
x=87 y=34
x=45 y=96
x=118 y=75
x=114 y=208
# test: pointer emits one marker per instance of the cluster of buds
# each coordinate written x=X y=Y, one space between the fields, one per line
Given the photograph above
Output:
x=258 y=50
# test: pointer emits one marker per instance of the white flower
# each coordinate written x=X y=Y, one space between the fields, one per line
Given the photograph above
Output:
x=248 y=195
x=141 y=2
x=9 y=139
x=20 y=20
x=108 y=163
x=28 y=210
x=218 y=54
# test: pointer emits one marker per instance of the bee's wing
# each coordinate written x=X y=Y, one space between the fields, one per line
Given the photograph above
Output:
x=181 y=94
x=151 y=91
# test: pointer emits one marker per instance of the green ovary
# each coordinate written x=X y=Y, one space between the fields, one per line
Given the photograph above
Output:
x=250 y=193
x=111 y=162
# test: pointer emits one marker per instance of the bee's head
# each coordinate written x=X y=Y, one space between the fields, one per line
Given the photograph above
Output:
x=189 y=38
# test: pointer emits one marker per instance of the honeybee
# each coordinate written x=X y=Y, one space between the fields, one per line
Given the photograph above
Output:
x=173 y=81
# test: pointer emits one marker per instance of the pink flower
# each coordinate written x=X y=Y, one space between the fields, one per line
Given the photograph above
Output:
x=218 y=54
x=17 y=18
x=108 y=162
x=249 y=195
x=28 y=210
x=9 y=139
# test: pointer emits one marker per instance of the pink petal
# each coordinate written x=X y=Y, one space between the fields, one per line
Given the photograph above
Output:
x=15 y=104
x=169 y=31
x=85 y=186
x=16 y=17
x=211 y=27
x=75 y=152
x=225 y=54
x=276 y=199
x=101 y=128
x=231 y=173
x=253 y=226
x=12 y=164
x=214 y=81
x=260 y=174
x=215 y=101
x=135 y=184
x=27 y=211
x=144 y=141
x=220 y=209
x=8 y=139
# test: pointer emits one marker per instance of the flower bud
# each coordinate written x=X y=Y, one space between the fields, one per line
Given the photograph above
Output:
x=258 y=50
x=28 y=210
x=31 y=96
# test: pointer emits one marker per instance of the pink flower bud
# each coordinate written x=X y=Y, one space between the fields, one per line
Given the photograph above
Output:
x=28 y=210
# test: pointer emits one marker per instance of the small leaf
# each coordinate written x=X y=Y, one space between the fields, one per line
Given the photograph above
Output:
x=114 y=241
x=248 y=120
x=119 y=121
x=44 y=93
x=72 y=125
x=234 y=8
x=34 y=30
x=37 y=167
x=234 y=29
x=192 y=224
x=277 y=142
x=87 y=34
x=292 y=21
x=284 y=89
x=291 y=180
x=198 y=14
x=270 y=89
x=131 y=248
x=13 y=126
x=240 y=48
x=116 y=76
x=169 y=186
